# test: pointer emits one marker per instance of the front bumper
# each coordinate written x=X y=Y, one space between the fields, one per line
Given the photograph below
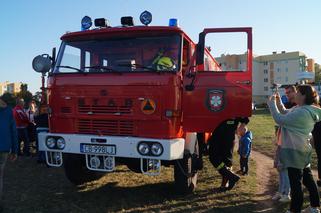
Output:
x=126 y=147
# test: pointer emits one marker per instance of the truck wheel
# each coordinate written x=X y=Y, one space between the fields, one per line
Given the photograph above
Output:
x=185 y=173
x=185 y=177
x=76 y=170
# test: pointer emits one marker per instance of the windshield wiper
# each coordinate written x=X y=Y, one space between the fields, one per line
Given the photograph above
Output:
x=100 y=68
x=69 y=67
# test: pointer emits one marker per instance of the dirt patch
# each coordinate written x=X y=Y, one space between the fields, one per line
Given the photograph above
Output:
x=266 y=182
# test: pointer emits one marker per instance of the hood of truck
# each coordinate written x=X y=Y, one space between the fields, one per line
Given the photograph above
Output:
x=127 y=104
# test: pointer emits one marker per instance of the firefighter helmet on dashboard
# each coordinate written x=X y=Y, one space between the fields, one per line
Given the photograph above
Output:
x=165 y=63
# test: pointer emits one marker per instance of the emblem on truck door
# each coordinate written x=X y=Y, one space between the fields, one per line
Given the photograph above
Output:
x=215 y=100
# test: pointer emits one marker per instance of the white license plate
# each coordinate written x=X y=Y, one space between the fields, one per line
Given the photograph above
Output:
x=98 y=149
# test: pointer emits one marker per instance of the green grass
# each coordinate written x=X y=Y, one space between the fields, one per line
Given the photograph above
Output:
x=30 y=187
x=262 y=126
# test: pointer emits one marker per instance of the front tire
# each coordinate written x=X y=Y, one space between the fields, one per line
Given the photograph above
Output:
x=76 y=170
x=185 y=177
x=185 y=172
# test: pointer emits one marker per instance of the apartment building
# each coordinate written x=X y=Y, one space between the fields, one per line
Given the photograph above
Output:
x=9 y=87
x=284 y=68
x=3 y=87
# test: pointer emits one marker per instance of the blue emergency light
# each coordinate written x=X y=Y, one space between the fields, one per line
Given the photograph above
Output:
x=173 y=22
x=146 y=18
x=86 y=23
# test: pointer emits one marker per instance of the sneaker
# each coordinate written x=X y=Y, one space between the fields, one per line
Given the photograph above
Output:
x=276 y=196
x=285 y=198
x=311 y=210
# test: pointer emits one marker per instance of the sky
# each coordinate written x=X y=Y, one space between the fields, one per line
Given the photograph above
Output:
x=33 y=27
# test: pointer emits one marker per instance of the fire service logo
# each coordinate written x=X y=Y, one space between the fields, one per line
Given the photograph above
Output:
x=215 y=100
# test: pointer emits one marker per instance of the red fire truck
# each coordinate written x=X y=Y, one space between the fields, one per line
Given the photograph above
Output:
x=137 y=95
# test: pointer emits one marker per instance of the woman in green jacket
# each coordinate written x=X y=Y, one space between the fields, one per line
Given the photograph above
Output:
x=296 y=125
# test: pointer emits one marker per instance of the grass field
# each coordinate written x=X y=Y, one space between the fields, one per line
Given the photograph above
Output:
x=30 y=187
x=262 y=127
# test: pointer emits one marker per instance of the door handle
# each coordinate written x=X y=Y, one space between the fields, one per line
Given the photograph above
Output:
x=244 y=82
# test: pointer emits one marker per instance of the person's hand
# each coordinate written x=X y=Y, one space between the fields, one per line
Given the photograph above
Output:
x=12 y=157
x=272 y=97
x=277 y=95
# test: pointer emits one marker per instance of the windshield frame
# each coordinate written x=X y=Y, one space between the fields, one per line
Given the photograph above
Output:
x=64 y=44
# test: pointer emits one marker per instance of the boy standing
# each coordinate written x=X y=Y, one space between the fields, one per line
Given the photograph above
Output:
x=245 y=144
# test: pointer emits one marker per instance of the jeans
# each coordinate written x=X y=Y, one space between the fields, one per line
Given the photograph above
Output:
x=284 y=182
x=317 y=146
x=23 y=136
x=3 y=160
x=244 y=164
x=295 y=177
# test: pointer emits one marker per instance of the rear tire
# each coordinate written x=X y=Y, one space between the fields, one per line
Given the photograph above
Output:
x=76 y=170
x=185 y=173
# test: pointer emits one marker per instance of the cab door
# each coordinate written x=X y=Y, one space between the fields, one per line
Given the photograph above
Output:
x=213 y=96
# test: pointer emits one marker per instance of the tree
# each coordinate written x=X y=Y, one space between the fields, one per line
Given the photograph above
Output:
x=9 y=98
x=37 y=97
x=25 y=94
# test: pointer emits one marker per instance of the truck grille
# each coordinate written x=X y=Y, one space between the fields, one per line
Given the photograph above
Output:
x=65 y=110
x=104 y=109
x=106 y=127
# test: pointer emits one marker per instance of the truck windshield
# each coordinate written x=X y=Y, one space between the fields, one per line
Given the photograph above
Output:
x=150 y=54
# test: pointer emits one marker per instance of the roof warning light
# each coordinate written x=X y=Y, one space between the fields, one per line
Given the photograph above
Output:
x=86 y=23
x=146 y=18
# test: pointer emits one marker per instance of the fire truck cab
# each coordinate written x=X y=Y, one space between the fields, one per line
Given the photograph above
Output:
x=137 y=95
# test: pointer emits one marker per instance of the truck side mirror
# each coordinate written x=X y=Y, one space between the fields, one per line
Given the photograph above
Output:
x=53 y=56
x=200 y=49
x=42 y=63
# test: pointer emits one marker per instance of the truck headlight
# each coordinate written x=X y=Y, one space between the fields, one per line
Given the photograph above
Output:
x=143 y=148
x=61 y=143
x=51 y=142
x=157 y=149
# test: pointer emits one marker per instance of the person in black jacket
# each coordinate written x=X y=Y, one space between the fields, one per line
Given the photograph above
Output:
x=221 y=146
x=317 y=145
x=41 y=120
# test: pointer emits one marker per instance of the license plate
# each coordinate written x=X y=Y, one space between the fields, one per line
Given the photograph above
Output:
x=98 y=149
